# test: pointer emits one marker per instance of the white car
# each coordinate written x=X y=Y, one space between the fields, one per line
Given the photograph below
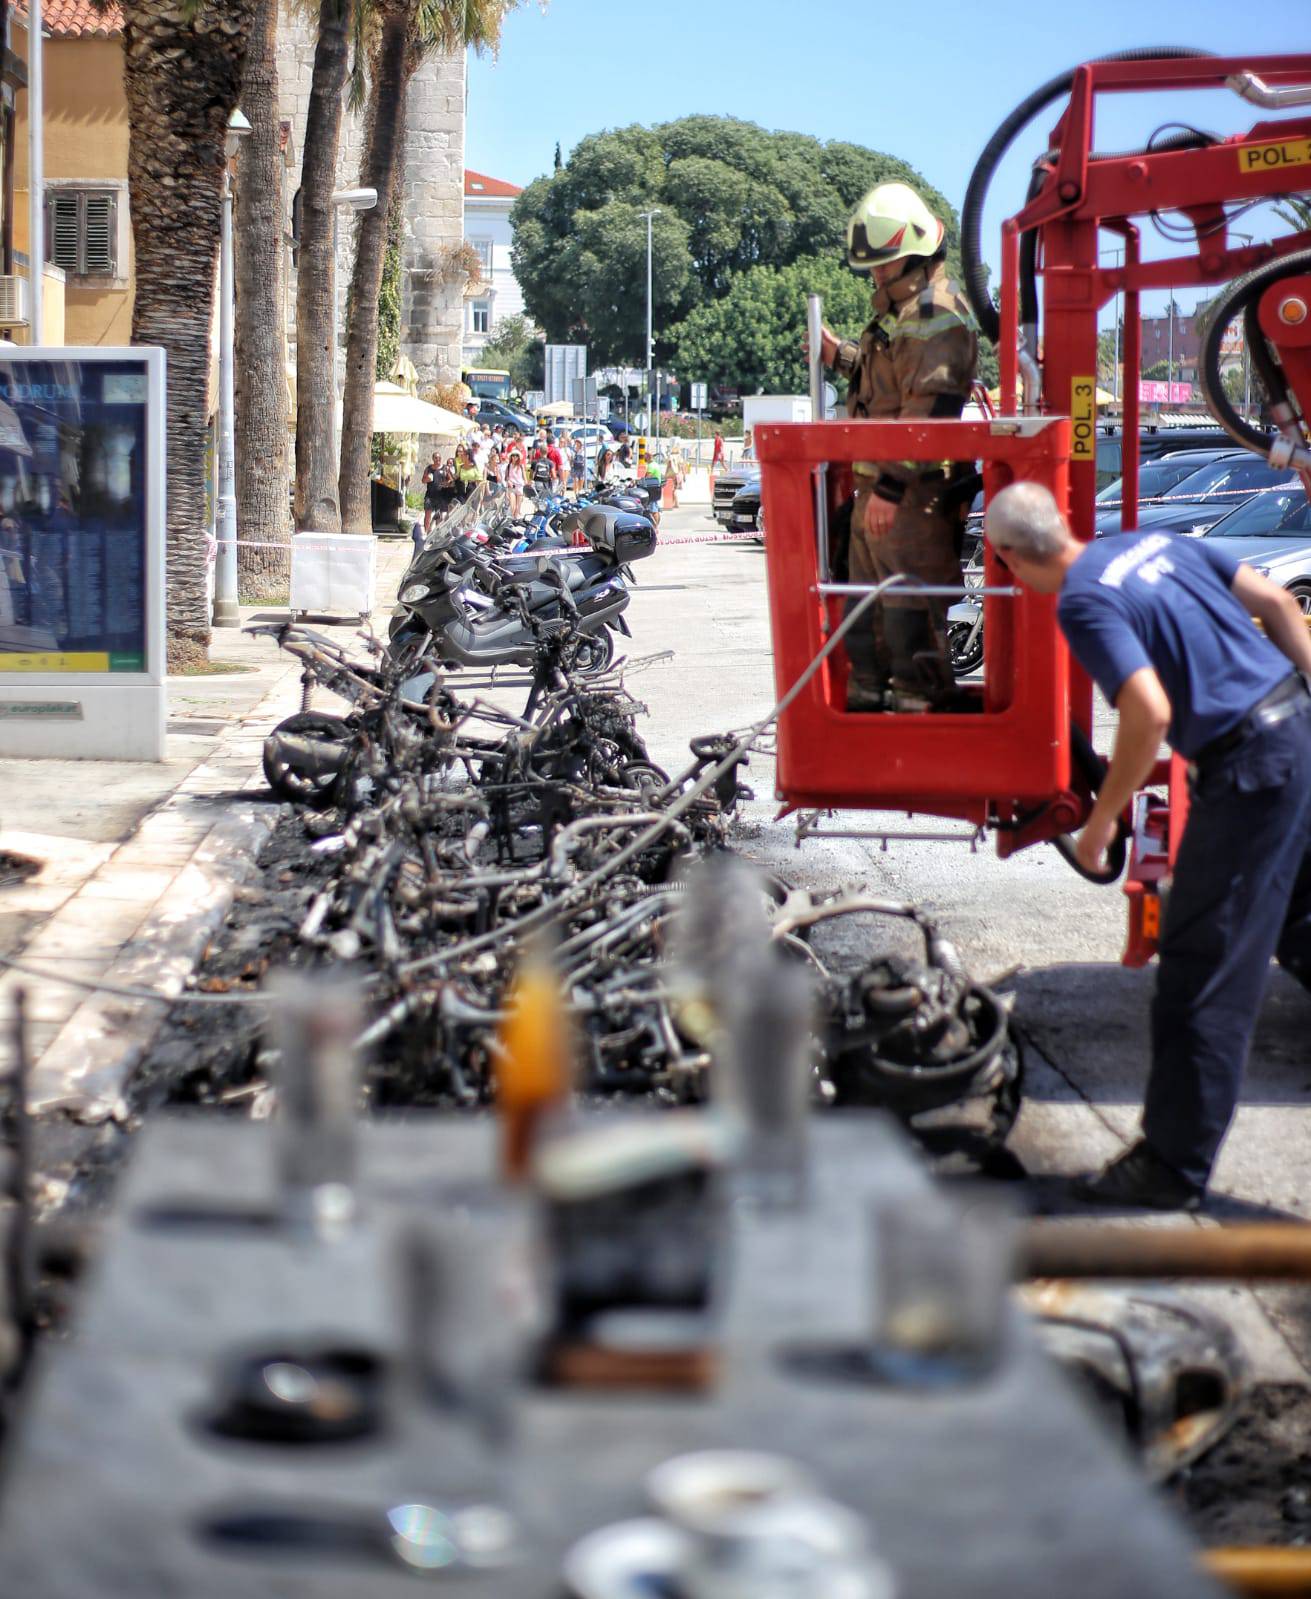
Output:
x=596 y=433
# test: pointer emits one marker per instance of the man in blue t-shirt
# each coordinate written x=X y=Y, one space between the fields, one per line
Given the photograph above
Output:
x=1163 y=625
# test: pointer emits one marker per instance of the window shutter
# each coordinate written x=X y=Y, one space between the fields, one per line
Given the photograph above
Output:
x=99 y=247
x=61 y=245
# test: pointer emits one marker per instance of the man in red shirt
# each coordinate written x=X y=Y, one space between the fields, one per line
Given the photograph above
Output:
x=557 y=466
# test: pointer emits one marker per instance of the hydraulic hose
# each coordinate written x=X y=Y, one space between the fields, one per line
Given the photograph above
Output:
x=1243 y=295
x=975 y=273
x=1092 y=768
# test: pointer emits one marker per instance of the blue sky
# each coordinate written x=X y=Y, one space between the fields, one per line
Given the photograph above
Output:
x=581 y=65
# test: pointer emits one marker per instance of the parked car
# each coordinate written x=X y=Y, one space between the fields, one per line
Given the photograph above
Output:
x=494 y=411
x=1153 y=442
x=744 y=512
x=727 y=485
x=1272 y=533
x=596 y=433
x=1198 y=501
x=1155 y=478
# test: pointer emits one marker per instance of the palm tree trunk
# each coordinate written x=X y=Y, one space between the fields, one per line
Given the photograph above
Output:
x=260 y=336
x=316 y=382
x=183 y=64
x=394 y=61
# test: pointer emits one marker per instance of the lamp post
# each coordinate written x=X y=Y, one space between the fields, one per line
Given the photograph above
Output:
x=1247 y=354
x=650 y=396
x=226 y=610
x=342 y=200
x=1115 y=365
x=36 y=226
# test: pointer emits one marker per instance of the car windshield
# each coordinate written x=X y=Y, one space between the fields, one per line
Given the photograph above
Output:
x=1154 y=478
x=1239 y=474
x=1279 y=513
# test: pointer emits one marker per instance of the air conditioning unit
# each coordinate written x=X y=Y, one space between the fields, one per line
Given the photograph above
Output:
x=14 y=293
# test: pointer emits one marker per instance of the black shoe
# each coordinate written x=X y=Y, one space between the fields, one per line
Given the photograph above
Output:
x=1141 y=1177
x=865 y=700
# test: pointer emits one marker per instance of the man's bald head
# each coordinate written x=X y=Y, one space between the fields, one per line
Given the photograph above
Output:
x=1025 y=519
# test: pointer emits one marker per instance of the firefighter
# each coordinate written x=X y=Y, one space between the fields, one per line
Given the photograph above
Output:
x=915 y=359
x=1164 y=627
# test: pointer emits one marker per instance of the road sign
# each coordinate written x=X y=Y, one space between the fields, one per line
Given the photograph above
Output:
x=697 y=401
x=564 y=364
x=583 y=395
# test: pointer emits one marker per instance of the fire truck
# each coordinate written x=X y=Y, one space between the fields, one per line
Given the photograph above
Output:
x=1019 y=763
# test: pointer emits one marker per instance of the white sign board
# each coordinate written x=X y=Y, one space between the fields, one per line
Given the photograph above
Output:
x=565 y=363
x=697 y=400
x=82 y=470
x=333 y=574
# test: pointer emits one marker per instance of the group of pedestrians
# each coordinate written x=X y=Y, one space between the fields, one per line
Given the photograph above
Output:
x=507 y=463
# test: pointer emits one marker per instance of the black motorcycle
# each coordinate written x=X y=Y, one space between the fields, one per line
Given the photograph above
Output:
x=471 y=607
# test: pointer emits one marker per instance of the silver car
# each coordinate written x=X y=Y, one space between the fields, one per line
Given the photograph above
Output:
x=1271 y=532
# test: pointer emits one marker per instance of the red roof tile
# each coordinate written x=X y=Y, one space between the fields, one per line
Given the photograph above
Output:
x=76 y=17
x=481 y=187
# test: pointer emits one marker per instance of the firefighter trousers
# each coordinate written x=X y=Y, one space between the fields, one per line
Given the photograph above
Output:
x=903 y=643
x=1241 y=893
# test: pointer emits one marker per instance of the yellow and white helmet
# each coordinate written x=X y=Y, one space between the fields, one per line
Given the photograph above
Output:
x=889 y=223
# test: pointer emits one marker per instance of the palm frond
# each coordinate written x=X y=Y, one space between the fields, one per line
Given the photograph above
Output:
x=364 y=33
x=454 y=24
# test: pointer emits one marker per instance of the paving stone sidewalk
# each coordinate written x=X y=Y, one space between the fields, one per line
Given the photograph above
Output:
x=139 y=863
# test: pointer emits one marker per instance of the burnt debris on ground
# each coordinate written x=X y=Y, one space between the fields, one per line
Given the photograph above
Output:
x=435 y=836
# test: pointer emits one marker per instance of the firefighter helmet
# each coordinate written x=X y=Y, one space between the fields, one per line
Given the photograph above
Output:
x=891 y=222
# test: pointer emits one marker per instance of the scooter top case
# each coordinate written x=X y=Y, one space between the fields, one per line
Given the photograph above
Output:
x=622 y=534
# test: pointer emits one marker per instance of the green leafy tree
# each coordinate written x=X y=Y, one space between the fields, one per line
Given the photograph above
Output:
x=751 y=339
x=516 y=348
x=731 y=197
x=1107 y=349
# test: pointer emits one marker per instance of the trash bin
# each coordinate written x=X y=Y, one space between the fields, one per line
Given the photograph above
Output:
x=386 y=504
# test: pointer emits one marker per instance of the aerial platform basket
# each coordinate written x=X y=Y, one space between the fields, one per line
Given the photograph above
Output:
x=1006 y=763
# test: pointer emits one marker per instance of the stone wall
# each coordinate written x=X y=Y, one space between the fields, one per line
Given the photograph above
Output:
x=432 y=305
x=432 y=193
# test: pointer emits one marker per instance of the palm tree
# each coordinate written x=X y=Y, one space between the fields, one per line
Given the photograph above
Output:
x=316 y=383
x=260 y=355
x=182 y=68
x=401 y=33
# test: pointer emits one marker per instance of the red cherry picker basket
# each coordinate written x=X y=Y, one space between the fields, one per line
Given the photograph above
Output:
x=1020 y=763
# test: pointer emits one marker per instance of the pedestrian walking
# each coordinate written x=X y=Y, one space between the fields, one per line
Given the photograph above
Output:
x=1164 y=627
x=717 y=452
x=514 y=482
x=577 y=466
x=436 y=482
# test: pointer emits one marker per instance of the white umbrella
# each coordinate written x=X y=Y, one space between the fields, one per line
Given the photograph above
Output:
x=395 y=411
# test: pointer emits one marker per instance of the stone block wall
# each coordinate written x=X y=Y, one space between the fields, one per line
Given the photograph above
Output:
x=432 y=194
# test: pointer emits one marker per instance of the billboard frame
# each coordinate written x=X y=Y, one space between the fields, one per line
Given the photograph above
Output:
x=122 y=715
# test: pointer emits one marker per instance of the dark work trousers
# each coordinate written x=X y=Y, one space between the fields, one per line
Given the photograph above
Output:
x=1241 y=893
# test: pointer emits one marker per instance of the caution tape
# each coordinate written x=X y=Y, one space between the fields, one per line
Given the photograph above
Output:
x=711 y=538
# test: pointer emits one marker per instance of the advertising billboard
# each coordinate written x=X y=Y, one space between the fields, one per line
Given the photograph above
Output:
x=81 y=552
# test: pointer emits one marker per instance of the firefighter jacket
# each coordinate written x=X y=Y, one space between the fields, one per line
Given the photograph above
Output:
x=916 y=358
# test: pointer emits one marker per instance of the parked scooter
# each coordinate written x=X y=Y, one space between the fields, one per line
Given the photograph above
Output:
x=472 y=607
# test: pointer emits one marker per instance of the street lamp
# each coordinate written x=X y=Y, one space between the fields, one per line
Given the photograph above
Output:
x=1247 y=354
x=342 y=200
x=650 y=397
x=226 y=611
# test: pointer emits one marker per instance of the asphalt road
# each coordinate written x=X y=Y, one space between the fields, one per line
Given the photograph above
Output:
x=1083 y=1015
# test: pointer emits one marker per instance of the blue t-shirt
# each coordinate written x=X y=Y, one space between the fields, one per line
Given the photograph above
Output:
x=1164 y=601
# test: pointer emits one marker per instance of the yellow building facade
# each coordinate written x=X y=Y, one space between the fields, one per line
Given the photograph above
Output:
x=88 y=278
